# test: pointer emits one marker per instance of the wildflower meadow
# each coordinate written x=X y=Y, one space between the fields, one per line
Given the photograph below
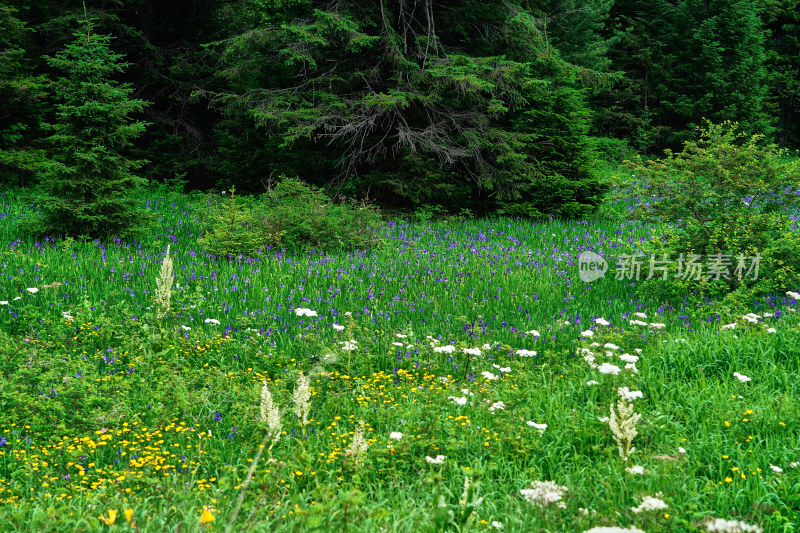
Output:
x=458 y=377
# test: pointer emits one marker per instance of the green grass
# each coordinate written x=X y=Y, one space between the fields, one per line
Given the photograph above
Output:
x=115 y=409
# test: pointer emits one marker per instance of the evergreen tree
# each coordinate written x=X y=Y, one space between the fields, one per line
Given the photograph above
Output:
x=87 y=177
x=22 y=98
x=685 y=61
x=414 y=102
x=782 y=18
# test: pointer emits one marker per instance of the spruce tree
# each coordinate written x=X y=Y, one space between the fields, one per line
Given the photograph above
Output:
x=87 y=178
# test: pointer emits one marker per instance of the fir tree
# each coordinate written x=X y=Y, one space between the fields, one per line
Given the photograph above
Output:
x=87 y=178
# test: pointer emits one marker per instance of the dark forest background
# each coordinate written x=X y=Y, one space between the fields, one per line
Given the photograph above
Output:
x=496 y=106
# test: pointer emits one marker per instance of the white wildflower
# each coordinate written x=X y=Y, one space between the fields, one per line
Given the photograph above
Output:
x=771 y=330
x=397 y=344
x=497 y=525
x=640 y=315
x=302 y=395
x=628 y=358
x=533 y=332
x=186 y=328
x=457 y=400
x=587 y=333
x=3 y=302
x=650 y=503
x=400 y=336
x=34 y=290
x=627 y=394
x=497 y=406
x=638 y=350
x=794 y=295
x=540 y=427
x=544 y=493
x=635 y=469
x=269 y=414
x=730 y=526
x=471 y=351
x=602 y=321
x=301 y=311
x=448 y=348
x=396 y=435
x=776 y=469
x=488 y=375
x=611 y=346
x=592 y=382
x=681 y=450
x=608 y=368
x=741 y=377
x=349 y=345
x=359 y=446
x=637 y=323
x=657 y=325
x=338 y=327
x=526 y=353
x=614 y=529
x=164 y=285
x=728 y=326
x=794 y=464
x=439 y=459
x=623 y=427
x=212 y=321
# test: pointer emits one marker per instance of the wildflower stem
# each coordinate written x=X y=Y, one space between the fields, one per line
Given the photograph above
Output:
x=249 y=477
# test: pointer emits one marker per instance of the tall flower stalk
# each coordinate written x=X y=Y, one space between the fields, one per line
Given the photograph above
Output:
x=623 y=427
x=302 y=397
x=164 y=286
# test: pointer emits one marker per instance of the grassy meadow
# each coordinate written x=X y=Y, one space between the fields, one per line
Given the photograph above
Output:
x=468 y=354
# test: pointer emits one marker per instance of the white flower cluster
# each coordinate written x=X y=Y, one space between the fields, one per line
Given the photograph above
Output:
x=439 y=459
x=471 y=351
x=526 y=353
x=301 y=311
x=540 y=427
x=269 y=412
x=359 y=446
x=730 y=526
x=448 y=348
x=614 y=529
x=741 y=377
x=164 y=285
x=458 y=401
x=545 y=493
x=623 y=427
x=488 y=375
x=650 y=503
x=627 y=394
x=302 y=397
x=497 y=406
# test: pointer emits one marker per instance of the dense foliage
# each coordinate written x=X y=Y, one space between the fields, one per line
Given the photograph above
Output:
x=487 y=106
x=727 y=197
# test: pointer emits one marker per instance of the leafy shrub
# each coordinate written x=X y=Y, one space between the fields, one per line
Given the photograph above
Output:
x=725 y=193
x=233 y=230
x=306 y=218
x=613 y=150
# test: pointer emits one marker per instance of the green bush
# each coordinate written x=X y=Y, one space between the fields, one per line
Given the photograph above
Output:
x=613 y=150
x=725 y=193
x=306 y=218
x=232 y=229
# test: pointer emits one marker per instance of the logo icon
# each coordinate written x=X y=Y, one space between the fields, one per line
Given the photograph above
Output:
x=591 y=266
